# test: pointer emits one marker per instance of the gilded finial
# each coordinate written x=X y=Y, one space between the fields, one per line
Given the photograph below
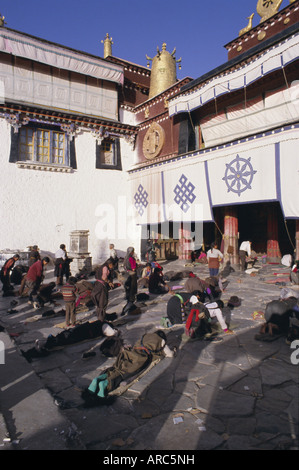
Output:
x=2 y=22
x=267 y=8
x=107 y=46
x=248 y=27
x=163 y=73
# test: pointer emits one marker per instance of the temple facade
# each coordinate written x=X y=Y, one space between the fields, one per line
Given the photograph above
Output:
x=232 y=171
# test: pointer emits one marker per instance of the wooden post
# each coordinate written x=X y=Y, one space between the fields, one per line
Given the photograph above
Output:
x=297 y=240
x=184 y=244
x=273 y=250
x=231 y=251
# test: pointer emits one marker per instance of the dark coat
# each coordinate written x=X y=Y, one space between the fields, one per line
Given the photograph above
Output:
x=99 y=295
x=129 y=362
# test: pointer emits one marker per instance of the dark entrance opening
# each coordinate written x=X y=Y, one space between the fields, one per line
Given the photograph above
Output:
x=253 y=224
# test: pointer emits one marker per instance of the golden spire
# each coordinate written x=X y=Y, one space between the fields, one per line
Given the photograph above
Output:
x=163 y=73
x=267 y=8
x=107 y=46
x=2 y=22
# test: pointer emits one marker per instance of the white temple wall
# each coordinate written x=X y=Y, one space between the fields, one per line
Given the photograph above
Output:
x=43 y=207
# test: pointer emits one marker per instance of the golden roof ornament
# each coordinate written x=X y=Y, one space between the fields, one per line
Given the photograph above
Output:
x=163 y=73
x=248 y=27
x=153 y=141
x=267 y=8
x=107 y=46
x=2 y=22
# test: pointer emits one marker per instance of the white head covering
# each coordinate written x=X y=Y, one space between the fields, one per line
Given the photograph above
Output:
x=108 y=331
x=193 y=299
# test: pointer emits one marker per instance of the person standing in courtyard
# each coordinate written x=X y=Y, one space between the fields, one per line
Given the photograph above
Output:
x=33 y=255
x=62 y=265
x=130 y=266
x=214 y=257
x=69 y=296
x=244 y=251
x=114 y=256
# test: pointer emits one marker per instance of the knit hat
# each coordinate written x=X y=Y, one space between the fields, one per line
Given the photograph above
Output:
x=234 y=301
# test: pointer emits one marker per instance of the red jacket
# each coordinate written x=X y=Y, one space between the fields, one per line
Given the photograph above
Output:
x=9 y=264
x=35 y=271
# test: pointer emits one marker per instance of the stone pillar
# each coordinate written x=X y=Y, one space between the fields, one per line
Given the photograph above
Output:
x=297 y=240
x=79 y=251
x=273 y=251
x=230 y=236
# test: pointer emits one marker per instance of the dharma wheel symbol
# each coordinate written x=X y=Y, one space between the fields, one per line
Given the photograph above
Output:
x=239 y=174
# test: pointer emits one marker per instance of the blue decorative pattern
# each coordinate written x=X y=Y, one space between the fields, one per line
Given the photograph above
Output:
x=141 y=201
x=184 y=193
x=239 y=174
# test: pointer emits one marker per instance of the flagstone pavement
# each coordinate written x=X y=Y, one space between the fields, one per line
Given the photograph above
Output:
x=235 y=394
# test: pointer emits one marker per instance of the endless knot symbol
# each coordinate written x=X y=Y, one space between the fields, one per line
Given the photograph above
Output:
x=184 y=193
x=239 y=175
x=141 y=201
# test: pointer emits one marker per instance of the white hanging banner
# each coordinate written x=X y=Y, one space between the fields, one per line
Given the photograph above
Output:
x=289 y=177
x=186 y=193
x=243 y=176
x=146 y=197
x=256 y=170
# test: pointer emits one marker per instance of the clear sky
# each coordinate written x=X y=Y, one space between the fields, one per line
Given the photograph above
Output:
x=198 y=29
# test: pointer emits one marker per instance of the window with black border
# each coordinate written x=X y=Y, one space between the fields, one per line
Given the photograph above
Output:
x=42 y=144
x=108 y=154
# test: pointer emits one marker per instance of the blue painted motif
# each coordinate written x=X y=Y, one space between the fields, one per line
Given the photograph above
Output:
x=141 y=201
x=184 y=193
x=239 y=174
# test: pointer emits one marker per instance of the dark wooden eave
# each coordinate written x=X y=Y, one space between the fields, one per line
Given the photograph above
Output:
x=60 y=117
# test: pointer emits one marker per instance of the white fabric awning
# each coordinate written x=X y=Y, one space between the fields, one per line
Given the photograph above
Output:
x=21 y=45
x=256 y=115
x=275 y=58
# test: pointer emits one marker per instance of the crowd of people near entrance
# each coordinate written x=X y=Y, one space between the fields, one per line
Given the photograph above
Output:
x=198 y=306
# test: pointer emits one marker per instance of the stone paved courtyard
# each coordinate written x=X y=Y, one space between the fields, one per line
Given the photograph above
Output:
x=238 y=393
